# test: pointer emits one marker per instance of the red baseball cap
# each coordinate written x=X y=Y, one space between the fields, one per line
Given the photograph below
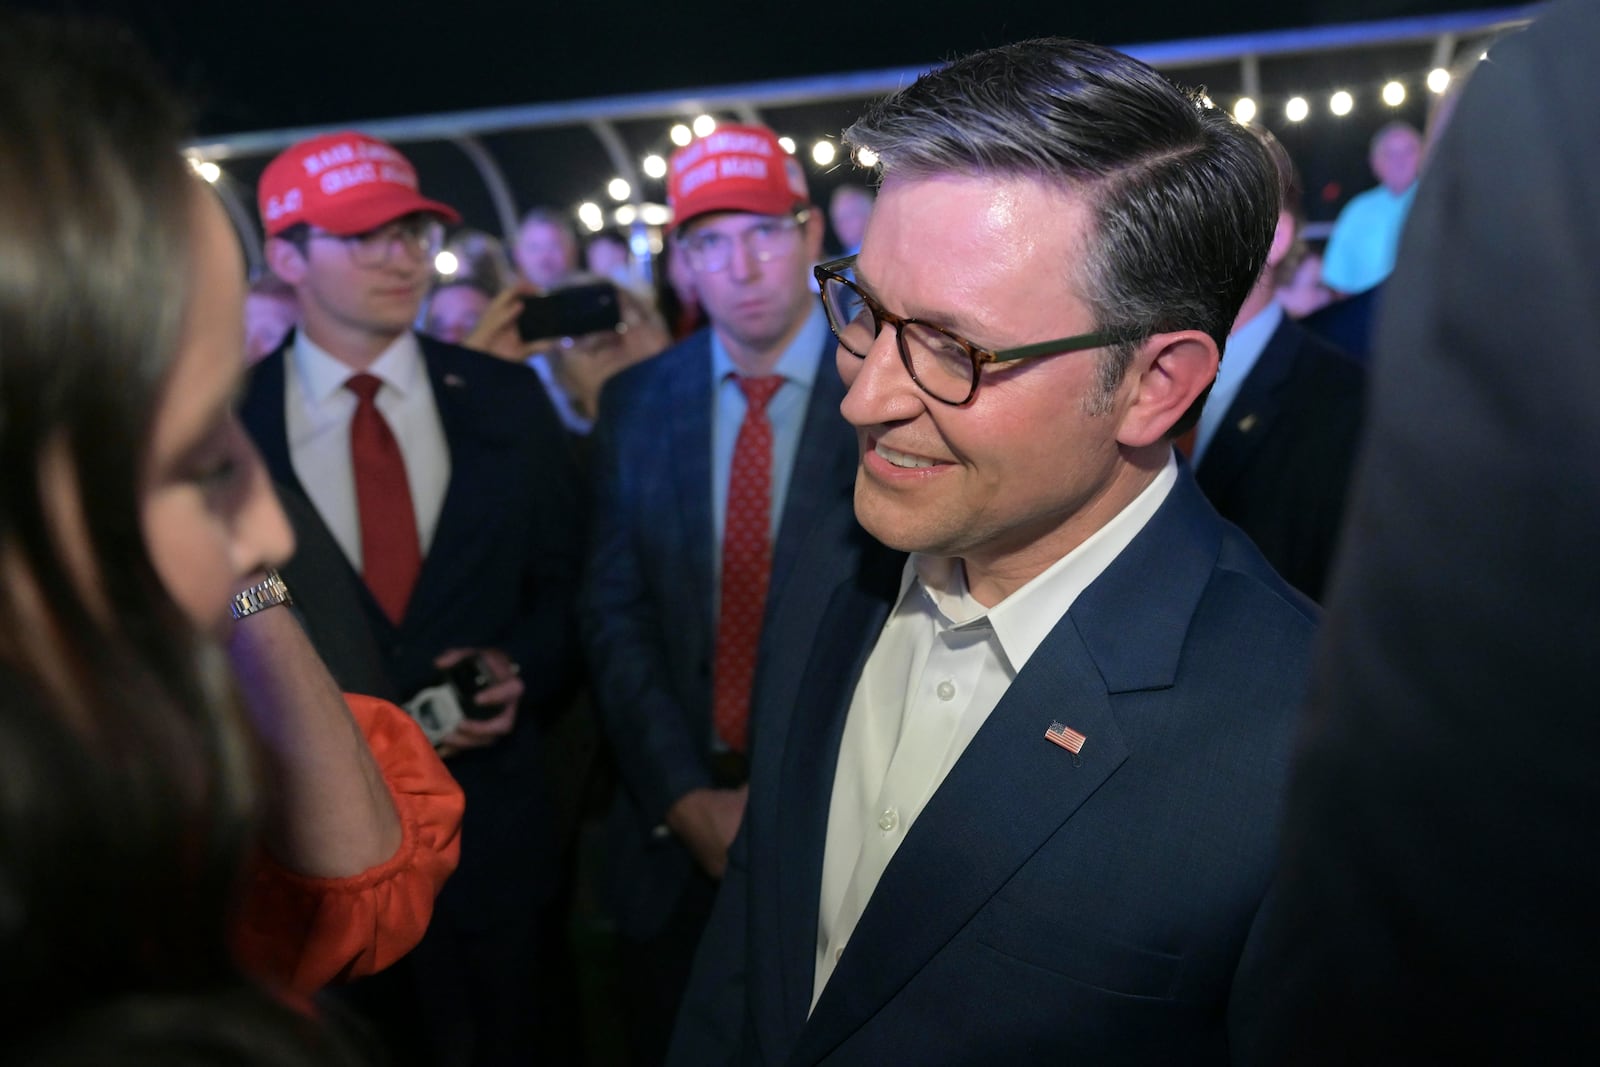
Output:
x=345 y=183
x=734 y=168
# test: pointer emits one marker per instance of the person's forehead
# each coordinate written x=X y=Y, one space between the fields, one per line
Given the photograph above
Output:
x=727 y=221
x=545 y=230
x=1398 y=139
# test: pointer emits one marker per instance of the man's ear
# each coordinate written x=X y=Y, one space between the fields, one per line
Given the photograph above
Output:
x=1171 y=369
x=1282 y=240
x=286 y=260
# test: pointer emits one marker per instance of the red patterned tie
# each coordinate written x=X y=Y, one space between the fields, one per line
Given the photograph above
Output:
x=391 y=554
x=746 y=561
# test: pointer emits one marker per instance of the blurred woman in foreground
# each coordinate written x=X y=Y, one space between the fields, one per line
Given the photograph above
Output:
x=196 y=831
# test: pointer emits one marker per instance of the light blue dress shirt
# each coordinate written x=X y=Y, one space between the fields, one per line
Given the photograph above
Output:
x=786 y=411
x=1244 y=348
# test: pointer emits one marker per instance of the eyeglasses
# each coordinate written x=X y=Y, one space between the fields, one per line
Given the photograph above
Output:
x=944 y=364
x=710 y=251
x=418 y=235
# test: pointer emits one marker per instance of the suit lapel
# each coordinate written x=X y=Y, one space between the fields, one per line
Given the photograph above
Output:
x=1008 y=793
x=264 y=414
x=262 y=410
x=1012 y=789
x=469 y=502
x=1251 y=415
x=824 y=467
x=845 y=636
x=689 y=462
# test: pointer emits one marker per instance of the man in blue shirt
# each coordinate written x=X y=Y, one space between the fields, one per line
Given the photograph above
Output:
x=710 y=464
x=1361 y=249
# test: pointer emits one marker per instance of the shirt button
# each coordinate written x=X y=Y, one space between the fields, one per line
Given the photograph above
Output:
x=946 y=690
x=888 y=820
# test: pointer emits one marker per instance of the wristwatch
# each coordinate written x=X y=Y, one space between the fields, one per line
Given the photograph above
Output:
x=267 y=593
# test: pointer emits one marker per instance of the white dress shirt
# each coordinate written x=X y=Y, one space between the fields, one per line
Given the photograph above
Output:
x=318 y=409
x=940 y=666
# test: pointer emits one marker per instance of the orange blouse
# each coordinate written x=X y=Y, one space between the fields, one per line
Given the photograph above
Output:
x=299 y=934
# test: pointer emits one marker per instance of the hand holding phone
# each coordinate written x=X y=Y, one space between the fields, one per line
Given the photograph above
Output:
x=571 y=312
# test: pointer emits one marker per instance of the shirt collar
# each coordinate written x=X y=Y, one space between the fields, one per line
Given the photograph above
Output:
x=1024 y=619
x=798 y=363
x=1245 y=346
x=322 y=375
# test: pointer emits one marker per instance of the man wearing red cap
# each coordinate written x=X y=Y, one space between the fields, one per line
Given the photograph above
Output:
x=711 y=463
x=444 y=479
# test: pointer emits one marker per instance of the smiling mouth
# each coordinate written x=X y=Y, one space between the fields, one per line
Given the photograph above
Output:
x=901 y=459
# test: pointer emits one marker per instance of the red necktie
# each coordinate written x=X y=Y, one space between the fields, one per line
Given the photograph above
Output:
x=746 y=562
x=391 y=554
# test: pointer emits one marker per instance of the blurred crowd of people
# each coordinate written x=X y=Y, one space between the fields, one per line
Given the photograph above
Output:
x=677 y=578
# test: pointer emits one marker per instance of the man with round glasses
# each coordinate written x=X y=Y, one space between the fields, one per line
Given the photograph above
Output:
x=444 y=480
x=1022 y=749
x=711 y=462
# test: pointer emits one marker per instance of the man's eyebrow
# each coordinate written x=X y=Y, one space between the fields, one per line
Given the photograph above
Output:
x=955 y=321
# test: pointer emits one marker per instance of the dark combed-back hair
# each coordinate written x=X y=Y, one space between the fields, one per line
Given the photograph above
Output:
x=127 y=778
x=1184 y=199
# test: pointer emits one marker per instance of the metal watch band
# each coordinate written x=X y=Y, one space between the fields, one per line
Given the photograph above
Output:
x=267 y=593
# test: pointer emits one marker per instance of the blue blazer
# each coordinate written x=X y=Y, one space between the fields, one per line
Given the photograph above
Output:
x=647 y=608
x=1279 y=465
x=1043 y=908
x=501 y=572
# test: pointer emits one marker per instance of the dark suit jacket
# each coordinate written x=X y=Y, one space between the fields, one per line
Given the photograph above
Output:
x=1042 y=909
x=1440 y=869
x=501 y=572
x=1347 y=323
x=648 y=604
x=1280 y=462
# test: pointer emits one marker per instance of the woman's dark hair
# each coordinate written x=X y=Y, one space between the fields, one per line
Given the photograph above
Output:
x=127 y=778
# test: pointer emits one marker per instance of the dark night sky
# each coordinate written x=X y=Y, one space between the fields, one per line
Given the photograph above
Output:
x=303 y=62
x=292 y=63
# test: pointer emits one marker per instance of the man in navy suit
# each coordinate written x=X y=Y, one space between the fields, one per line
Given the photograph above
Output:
x=675 y=530
x=1276 y=442
x=444 y=480
x=1014 y=796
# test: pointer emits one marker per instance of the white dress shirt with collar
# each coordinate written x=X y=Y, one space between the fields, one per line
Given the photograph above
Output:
x=940 y=666
x=319 y=408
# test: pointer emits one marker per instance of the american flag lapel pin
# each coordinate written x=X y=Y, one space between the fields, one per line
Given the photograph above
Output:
x=1067 y=738
x=454 y=381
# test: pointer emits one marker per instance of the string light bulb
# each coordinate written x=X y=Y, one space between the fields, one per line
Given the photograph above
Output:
x=1244 y=109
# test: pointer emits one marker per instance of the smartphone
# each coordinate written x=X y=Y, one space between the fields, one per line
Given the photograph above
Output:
x=469 y=678
x=570 y=312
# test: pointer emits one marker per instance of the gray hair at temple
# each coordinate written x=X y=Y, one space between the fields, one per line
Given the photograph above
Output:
x=1184 y=199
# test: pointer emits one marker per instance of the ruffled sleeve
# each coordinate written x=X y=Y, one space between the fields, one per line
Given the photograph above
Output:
x=299 y=933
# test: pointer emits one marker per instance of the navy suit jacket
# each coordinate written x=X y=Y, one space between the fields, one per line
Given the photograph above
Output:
x=1043 y=908
x=648 y=605
x=1279 y=465
x=501 y=572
